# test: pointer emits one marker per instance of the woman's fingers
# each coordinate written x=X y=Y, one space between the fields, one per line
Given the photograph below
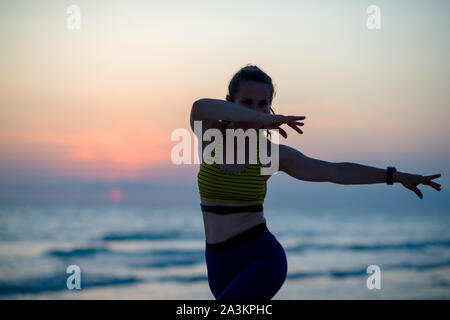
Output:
x=292 y=121
x=416 y=191
x=432 y=183
x=296 y=117
x=435 y=185
x=283 y=133
x=416 y=180
x=426 y=180
x=292 y=118
x=433 y=176
x=280 y=131
x=413 y=188
x=295 y=127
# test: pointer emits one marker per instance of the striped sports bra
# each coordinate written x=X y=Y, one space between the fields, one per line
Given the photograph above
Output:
x=247 y=186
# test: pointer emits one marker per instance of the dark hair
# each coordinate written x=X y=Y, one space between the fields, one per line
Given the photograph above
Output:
x=250 y=73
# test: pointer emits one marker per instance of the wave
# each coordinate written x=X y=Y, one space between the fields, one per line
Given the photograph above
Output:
x=142 y=236
x=78 y=252
x=159 y=258
x=57 y=282
x=166 y=258
x=424 y=266
x=363 y=271
x=369 y=247
x=184 y=279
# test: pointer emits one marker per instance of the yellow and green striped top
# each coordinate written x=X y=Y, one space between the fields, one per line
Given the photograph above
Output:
x=247 y=186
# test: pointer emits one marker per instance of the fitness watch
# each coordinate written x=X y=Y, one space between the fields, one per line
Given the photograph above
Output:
x=390 y=175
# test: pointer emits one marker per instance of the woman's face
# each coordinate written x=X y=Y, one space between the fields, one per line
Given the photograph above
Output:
x=254 y=95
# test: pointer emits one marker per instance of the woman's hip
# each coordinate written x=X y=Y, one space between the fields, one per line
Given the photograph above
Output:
x=244 y=248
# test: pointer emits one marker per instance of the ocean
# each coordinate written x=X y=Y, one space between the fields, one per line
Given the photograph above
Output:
x=156 y=251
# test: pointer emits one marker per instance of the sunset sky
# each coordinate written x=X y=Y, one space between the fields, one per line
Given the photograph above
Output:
x=101 y=102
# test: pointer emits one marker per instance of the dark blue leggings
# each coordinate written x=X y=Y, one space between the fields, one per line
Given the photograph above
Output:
x=255 y=269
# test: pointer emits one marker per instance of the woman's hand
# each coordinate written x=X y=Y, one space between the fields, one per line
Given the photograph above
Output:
x=411 y=181
x=274 y=121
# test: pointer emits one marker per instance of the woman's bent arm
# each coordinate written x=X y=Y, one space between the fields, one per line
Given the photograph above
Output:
x=215 y=109
x=211 y=110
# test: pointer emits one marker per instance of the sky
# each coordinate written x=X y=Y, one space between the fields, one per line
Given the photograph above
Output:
x=99 y=103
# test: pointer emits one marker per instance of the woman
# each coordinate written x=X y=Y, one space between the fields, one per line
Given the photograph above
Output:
x=244 y=259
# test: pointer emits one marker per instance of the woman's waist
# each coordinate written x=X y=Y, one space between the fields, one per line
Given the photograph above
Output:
x=216 y=243
x=220 y=227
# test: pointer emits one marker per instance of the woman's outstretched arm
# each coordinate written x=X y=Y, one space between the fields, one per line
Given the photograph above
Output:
x=301 y=167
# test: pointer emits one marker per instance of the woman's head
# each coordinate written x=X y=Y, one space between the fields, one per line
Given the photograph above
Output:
x=252 y=88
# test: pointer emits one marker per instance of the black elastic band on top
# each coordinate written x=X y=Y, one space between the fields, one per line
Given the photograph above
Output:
x=236 y=240
x=229 y=209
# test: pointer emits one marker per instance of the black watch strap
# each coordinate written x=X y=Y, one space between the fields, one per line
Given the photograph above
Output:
x=390 y=175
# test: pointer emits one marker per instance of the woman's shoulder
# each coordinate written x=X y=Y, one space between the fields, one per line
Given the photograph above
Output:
x=280 y=153
x=274 y=147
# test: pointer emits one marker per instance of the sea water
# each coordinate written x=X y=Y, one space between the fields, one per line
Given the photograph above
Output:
x=157 y=252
